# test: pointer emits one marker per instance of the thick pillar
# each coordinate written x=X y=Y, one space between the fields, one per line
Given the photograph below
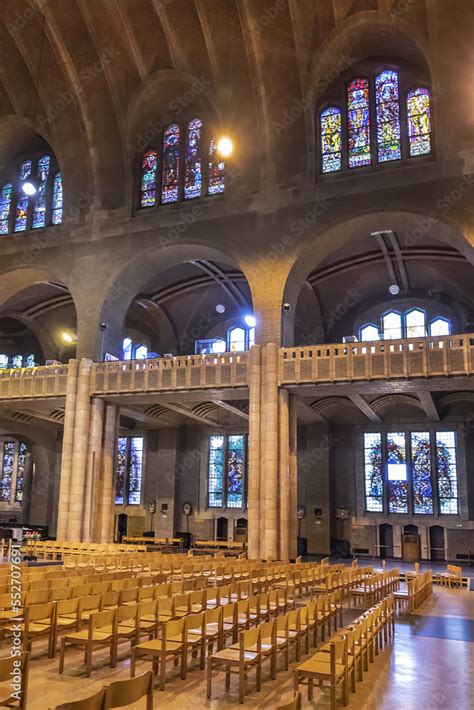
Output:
x=293 y=476
x=284 y=466
x=164 y=488
x=66 y=458
x=104 y=527
x=94 y=464
x=254 y=380
x=80 y=451
x=269 y=484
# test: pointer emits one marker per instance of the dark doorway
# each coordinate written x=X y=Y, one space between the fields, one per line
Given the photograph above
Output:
x=222 y=524
x=122 y=520
x=386 y=540
x=240 y=532
x=410 y=530
x=437 y=551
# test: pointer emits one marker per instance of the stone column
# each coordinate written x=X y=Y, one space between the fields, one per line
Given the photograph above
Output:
x=293 y=475
x=80 y=452
x=284 y=475
x=254 y=381
x=66 y=458
x=94 y=464
x=269 y=452
x=104 y=523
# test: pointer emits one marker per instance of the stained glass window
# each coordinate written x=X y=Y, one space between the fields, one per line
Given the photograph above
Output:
x=216 y=471
x=193 y=166
x=331 y=141
x=369 y=332
x=7 y=470
x=39 y=210
x=392 y=326
x=415 y=322
x=135 y=470
x=5 y=207
x=17 y=362
x=419 y=121
x=20 y=471
x=237 y=339
x=421 y=473
x=447 y=472
x=170 y=181
x=121 y=470
x=216 y=182
x=358 y=123
x=4 y=361
x=397 y=475
x=148 y=187
x=57 y=216
x=387 y=109
x=21 y=216
x=373 y=472
x=440 y=326
x=235 y=471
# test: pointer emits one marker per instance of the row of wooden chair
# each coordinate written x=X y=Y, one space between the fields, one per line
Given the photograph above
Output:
x=416 y=592
x=119 y=694
x=375 y=587
x=345 y=656
x=451 y=578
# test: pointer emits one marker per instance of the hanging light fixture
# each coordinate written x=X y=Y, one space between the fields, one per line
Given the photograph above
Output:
x=30 y=185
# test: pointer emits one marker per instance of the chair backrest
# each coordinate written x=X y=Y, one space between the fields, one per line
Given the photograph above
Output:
x=250 y=640
x=39 y=611
x=38 y=597
x=129 y=595
x=93 y=702
x=91 y=602
x=162 y=590
x=102 y=618
x=126 y=692
x=148 y=607
x=194 y=621
x=173 y=628
x=268 y=632
x=68 y=606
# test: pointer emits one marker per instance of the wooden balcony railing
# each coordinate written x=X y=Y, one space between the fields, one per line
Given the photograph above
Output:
x=388 y=359
x=177 y=373
x=33 y=382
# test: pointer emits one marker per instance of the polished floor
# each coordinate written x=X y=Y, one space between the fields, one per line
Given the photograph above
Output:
x=429 y=666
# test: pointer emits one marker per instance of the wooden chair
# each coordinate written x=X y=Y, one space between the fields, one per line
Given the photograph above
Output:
x=332 y=670
x=125 y=627
x=90 y=605
x=100 y=632
x=67 y=616
x=148 y=618
x=194 y=637
x=245 y=655
x=93 y=702
x=127 y=692
x=171 y=646
x=39 y=621
x=14 y=679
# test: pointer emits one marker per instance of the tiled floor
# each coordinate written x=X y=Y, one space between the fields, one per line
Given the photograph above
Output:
x=429 y=666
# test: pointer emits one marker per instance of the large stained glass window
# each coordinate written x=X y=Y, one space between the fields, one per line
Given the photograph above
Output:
x=227 y=471
x=129 y=470
x=421 y=473
x=387 y=109
x=5 y=208
x=216 y=178
x=397 y=474
x=57 y=215
x=21 y=216
x=12 y=471
x=331 y=140
x=20 y=471
x=39 y=210
x=235 y=471
x=358 y=123
x=171 y=160
x=193 y=165
x=7 y=470
x=148 y=186
x=419 y=121
x=373 y=472
x=446 y=472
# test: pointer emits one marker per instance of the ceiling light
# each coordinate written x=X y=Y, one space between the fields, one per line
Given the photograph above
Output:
x=69 y=337
x=29 y=187
x=225 y=146
x=250 y=321
x=220 y=308
x=394 y=289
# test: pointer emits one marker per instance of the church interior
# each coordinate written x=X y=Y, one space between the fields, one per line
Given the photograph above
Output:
x=227 y=476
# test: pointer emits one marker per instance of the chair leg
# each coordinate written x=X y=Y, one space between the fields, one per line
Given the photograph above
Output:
x=61 y=655
x=88 y=660
x=242 y=684
x=132 y=663
x=209 y=677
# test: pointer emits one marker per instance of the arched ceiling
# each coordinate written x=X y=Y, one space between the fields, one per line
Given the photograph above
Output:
x=255 y=60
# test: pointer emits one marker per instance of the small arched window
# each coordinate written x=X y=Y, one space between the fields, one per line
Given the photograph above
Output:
x=388 y=116
x=193 y=167
x=39 y=210
x=216 y=170
x=331 y=141
x=392 y=326
x=170 y=180
x=369 y=332
x=57 y=216
x=5 y=207
x=148 y=186
x=237 y=339
x=415 y=323
x=358 y=123
x=440 y=326
x=21 y=216
x=419 y=121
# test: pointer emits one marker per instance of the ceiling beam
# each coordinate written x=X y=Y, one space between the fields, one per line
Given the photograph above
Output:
x=306 y=411
x=188 y=413
x=428 y=404
x=233 y=410
x=400 y=262
x=139 y=416
x=386 y=256
x=362 y=404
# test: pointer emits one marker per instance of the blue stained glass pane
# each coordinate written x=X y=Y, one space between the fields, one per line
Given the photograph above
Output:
x=17 y=362
x=388 y=116
x=3 y=361
x=331 y=141
x=373 y=472
x=148 y=187
x=7 y=470
x=20 y=472
x=29 y=361
x=419 y=121
x=135 y=470
x=358 y=123
x=39 y=211
x=397 y=473
x=121 y=470
x=5 y=208
x=235 y=471
x=216 y=171
x=57 y=216
x=421 y=473
x=216 y=471
x=193 y=168
x=447 y=472
x=170 y=181
x=23 y=200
